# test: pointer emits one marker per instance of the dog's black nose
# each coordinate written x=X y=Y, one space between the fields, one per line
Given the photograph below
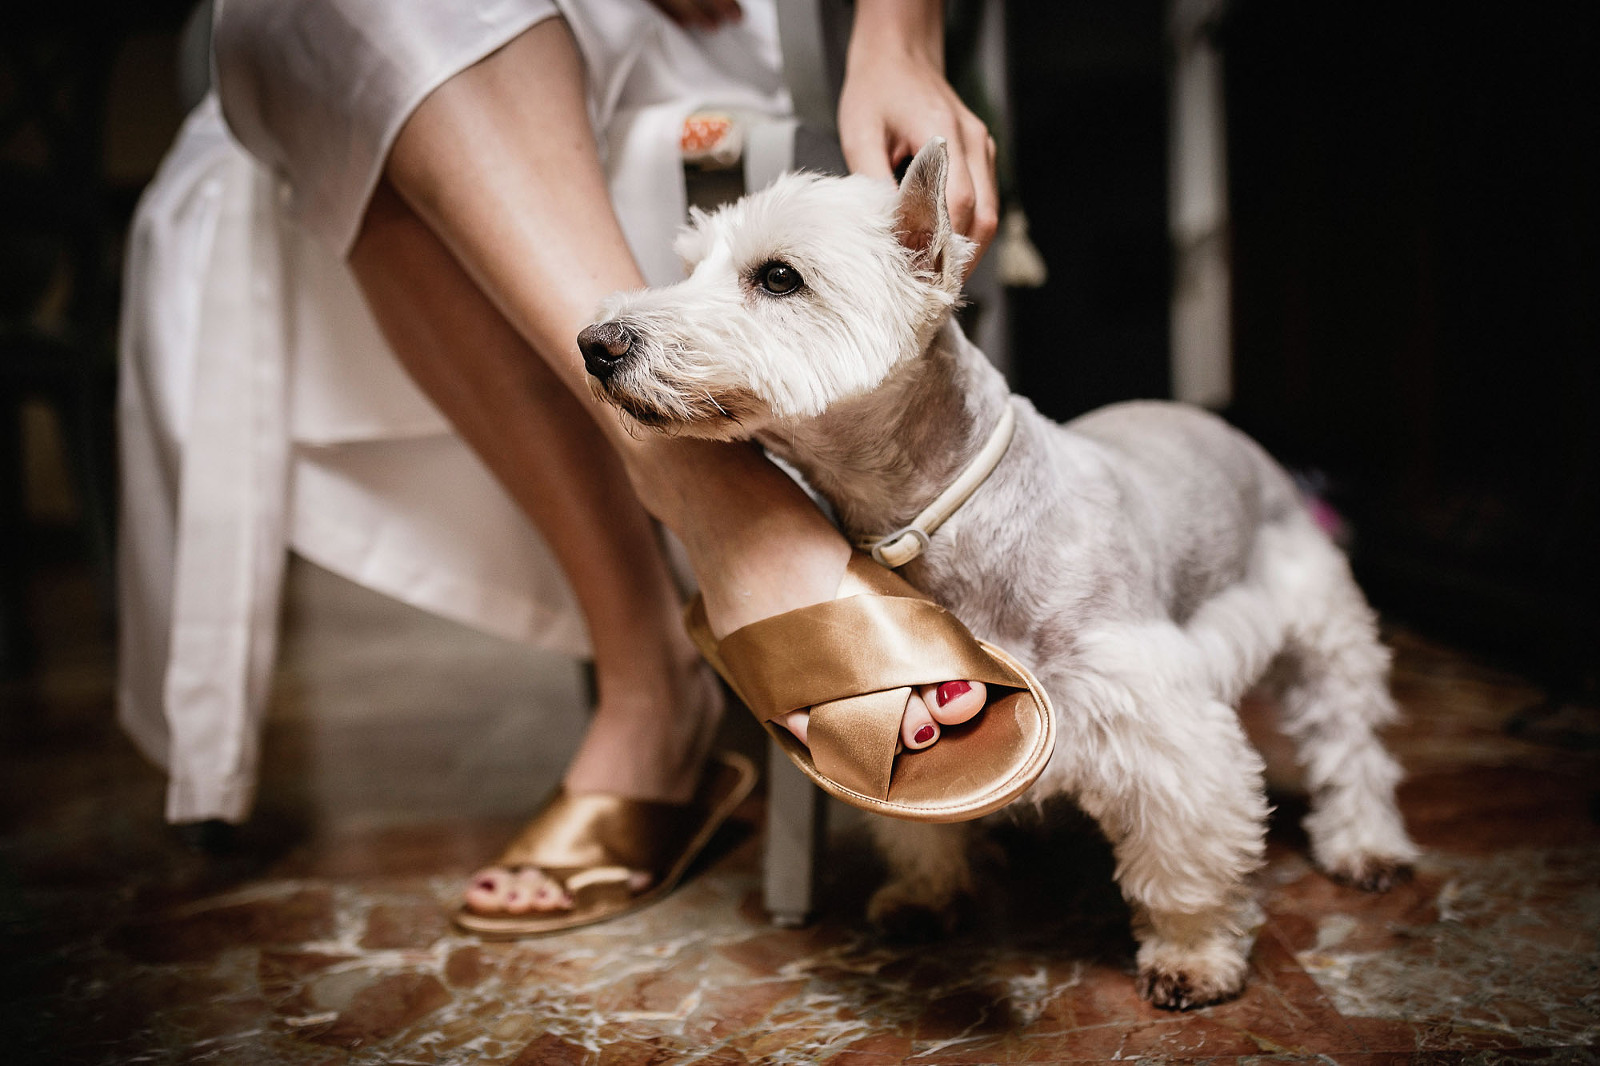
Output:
x=604 y=345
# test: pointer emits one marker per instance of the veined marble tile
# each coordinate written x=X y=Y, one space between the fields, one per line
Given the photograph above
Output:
x=323 y=938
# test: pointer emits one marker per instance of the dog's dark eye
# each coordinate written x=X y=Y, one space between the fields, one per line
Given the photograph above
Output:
x=780 y=279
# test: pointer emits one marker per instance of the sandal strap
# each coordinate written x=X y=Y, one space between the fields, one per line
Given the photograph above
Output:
x=591 y=830
x=591 y=885
x=850 y=647
x=854 y=740
x=853 y=661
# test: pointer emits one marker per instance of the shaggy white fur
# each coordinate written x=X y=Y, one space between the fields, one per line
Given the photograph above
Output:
x=1148 y=562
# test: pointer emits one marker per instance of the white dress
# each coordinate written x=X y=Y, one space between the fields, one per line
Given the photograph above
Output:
x=259 y=409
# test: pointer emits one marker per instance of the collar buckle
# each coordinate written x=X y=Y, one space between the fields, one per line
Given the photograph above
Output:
x=900 y=547
x=905 y=544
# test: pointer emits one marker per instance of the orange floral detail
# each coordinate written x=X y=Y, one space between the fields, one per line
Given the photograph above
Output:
x=702 y=133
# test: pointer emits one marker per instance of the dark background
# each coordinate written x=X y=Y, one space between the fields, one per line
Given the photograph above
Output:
x=1414 y=239
x=1413 y=193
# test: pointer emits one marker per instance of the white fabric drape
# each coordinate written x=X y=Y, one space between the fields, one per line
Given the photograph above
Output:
x=260 y=409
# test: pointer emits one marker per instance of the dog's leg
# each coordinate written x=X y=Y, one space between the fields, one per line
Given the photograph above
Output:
x=1176 y=787
x=1197 y=831
x=1334 y=695
x=930 y=877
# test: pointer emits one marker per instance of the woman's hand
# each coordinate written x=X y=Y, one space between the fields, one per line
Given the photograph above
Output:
x=896 y=99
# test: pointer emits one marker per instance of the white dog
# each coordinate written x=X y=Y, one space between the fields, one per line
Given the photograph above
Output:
x=1146 y=561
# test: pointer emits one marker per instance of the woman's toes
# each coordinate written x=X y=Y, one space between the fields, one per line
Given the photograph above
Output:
x=795 y=722
x=497 y=890
x=917 y=727
x=549 y=896
x=951 y=703
x=486 y=892
x=532 y=891
x=519 y=895
x=955 y=702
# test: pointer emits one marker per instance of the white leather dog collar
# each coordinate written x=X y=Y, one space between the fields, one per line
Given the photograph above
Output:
x=905 y=544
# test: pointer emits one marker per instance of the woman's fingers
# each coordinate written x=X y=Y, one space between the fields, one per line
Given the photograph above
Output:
x=866 y=149
x=961 y=189
x=890 y=109
x=979 y=149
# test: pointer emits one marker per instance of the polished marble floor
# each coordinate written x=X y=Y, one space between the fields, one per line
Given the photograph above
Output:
x=401 y=751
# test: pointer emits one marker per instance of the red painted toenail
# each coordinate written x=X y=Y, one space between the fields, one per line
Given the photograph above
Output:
x=924 y=735
x=951 y=689
x=486 y=883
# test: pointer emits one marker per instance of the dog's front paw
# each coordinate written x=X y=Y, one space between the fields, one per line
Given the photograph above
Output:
x=1183 y=980
x=912 y=912
x=1183 y=990
x=1372 y=873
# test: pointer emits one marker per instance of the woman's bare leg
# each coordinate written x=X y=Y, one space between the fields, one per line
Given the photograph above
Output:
x=651 y=724
x=493 y=239
x=501 y=164
x=656 y=707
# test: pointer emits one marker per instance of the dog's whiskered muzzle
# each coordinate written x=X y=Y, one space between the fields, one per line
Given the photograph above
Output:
x=604 y=346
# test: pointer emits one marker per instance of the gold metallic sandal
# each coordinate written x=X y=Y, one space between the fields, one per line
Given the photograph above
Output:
x=591 y=844
x=854 y=661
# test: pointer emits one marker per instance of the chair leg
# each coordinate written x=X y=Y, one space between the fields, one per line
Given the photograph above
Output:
x=796 y=829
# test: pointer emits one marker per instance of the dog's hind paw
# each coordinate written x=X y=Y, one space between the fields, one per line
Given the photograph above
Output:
x=909 y=917
x=1372 y=874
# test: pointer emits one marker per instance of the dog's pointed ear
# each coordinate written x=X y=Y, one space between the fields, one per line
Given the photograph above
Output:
x=922 y=218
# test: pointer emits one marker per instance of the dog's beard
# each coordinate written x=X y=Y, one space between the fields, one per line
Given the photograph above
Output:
x=697 y=412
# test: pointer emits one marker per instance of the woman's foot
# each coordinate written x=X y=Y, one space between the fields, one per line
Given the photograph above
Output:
x=851 y=664
x=587 y=858
x=789 y=556
x=649 y=739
